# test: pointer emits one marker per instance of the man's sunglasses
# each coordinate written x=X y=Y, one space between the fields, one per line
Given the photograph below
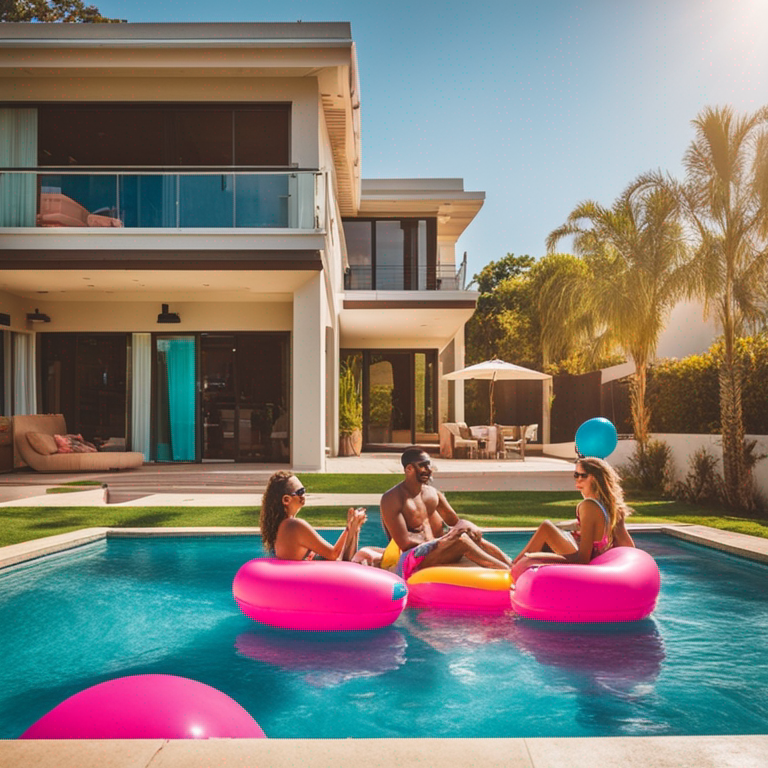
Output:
x=582 y=475
x=298 y=492
x=423 y=464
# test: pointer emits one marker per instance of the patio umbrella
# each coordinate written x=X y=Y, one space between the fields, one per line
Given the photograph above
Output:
x=493 y=370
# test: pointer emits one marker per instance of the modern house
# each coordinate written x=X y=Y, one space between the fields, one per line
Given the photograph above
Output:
x=188 y=253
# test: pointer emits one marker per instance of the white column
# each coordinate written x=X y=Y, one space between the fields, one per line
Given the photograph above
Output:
x=308 y=390
x=458 y=392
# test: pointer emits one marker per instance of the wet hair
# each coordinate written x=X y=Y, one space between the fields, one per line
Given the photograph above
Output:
x=411 y=455
x=609 y=490
x=272 y=510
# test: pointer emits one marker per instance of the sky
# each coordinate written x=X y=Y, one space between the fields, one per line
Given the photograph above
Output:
x=540 y=105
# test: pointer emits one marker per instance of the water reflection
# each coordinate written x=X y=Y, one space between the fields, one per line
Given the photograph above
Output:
x=445 y=630
x=327 y=659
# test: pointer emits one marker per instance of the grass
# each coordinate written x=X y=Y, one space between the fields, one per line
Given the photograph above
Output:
x=491 y=509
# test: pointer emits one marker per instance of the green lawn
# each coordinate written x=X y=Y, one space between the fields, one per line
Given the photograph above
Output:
x=486 y=508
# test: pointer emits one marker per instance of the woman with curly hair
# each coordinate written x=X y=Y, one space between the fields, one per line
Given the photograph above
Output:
x=289 y=538
x=599 y=523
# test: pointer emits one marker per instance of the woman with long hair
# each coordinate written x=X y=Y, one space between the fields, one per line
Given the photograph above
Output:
x=287 y=537
x=599 y=523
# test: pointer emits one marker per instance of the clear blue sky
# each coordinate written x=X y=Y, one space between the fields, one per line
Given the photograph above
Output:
x=539 y=104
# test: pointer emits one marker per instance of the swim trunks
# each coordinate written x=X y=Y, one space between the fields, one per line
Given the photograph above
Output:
x=411 y=559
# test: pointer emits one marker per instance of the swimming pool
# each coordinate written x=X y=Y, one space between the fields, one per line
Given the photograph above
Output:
x=121 y=607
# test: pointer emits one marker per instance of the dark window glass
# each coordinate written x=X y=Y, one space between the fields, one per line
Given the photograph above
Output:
x=359 y=254
x=262 y=137
x=203 y=137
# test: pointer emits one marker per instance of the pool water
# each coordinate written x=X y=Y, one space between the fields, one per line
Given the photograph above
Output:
x=137 y=606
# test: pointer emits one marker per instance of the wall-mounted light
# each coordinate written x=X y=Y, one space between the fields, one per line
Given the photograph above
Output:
x=38 y=317
x=168 y=317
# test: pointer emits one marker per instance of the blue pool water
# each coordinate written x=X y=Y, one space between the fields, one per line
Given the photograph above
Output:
x=123 y=607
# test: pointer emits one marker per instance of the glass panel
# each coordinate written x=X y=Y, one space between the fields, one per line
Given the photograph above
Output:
x=217 y=368
x=421 y=256
x=175 y=393
x=390 y=244
x=206 y=201
x=424 y=370
x=85 y=379
x=87 y=200
x=263 y=370
x=148 y=201
x=390 y=400
x=359 y=254
x=262 y=201
x=263 y=136
x=203 y=137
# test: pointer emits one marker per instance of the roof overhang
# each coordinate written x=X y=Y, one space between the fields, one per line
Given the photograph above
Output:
x=378 y=319
x=443 y=199
x=324 y=51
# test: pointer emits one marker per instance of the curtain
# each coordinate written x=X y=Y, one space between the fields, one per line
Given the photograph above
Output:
x=7 y=373
x=180 y=359
x=24 y=389
x=141 y=396
x=18 y=149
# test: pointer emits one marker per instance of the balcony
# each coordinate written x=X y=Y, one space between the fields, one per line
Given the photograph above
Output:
x=399 y=277
x=183 y=199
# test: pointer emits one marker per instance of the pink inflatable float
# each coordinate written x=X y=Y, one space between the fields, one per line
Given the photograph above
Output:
x=324 y=596
x=620 y=585
x=147 y=707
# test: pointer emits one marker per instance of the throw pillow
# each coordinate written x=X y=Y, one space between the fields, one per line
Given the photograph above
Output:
x=62 y=443
x=42 y=443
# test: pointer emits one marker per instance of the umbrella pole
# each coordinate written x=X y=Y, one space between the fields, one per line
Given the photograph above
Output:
x=490 y=392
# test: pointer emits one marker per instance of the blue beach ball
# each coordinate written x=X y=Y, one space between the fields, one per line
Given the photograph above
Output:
x=597 y=438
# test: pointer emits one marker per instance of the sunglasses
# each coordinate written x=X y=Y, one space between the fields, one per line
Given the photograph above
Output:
x=423 y=464
x=582 y=475
x=298 y=492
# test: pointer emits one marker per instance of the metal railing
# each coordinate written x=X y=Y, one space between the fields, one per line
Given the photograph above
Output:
x=442 y=277
x=179 y=199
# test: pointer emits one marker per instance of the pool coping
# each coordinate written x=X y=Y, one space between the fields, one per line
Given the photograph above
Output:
x=732 y=751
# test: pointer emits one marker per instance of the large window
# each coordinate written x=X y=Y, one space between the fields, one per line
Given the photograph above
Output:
x=391 y=254
x=162 y=135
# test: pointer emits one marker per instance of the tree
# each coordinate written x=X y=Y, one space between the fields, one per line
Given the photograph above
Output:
x=635 y=252
x=51 y=11
x=725 y=200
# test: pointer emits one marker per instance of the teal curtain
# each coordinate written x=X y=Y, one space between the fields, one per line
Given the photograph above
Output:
x=180 y=359
x=18 y=149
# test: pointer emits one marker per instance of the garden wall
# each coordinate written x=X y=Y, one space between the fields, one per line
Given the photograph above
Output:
x=684 y=446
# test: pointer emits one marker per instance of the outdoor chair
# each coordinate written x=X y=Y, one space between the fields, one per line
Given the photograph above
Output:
x=453 y=444
x=511 y=440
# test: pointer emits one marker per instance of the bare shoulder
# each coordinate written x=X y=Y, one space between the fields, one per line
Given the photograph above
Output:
x=393 y=497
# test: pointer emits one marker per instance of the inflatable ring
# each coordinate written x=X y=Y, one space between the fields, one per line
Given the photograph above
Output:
x=622 y=584
x=326 y=596
x=450 y=586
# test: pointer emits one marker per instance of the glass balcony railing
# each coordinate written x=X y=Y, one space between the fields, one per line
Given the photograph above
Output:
x=442 y=277
x=162 y=200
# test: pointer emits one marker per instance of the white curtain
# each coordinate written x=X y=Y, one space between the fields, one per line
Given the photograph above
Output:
x=7 y=374
x=24 y=386
x=18 y=149
x=141 y=393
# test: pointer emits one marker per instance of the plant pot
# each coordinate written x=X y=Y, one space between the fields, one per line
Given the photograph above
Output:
x=351 y=445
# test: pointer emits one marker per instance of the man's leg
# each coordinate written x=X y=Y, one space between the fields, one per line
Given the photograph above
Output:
x=451 y=549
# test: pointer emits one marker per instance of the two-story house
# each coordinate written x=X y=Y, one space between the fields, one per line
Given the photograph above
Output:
x=188 y=252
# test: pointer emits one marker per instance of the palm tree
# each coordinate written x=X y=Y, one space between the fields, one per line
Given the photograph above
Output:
x=636 y=253
x=725 y=199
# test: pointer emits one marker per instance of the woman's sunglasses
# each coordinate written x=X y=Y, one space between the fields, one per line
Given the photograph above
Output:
x=582 y=475
x=298 y=492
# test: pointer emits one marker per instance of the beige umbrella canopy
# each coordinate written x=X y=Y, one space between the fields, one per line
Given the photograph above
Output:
x=496 y=370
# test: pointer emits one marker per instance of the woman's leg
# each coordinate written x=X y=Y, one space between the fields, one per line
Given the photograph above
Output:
x=548 y=533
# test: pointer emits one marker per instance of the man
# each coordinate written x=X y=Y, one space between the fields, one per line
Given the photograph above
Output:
x=413 y=514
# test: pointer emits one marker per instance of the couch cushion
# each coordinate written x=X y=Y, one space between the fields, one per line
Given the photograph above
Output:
x=73 y=444
x=42 y=443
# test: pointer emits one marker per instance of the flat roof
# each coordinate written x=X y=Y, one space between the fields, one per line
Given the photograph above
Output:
x=296 y=33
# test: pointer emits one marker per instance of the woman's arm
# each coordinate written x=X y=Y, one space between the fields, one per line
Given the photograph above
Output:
x=621 y=537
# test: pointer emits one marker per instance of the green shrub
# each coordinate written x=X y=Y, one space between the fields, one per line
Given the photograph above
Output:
x=648 y=467
x=703 y=484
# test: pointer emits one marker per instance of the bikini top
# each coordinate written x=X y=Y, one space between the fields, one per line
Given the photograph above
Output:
x=598 y=547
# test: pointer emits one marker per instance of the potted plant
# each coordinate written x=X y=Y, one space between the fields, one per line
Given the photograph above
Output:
x=350 y=410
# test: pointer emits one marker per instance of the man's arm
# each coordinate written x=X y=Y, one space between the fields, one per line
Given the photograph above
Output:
x=448 y=514
x=393 y=520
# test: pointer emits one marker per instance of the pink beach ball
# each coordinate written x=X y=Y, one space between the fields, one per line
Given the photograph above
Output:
x=147 y=707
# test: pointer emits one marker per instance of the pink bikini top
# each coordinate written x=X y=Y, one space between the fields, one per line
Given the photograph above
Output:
x=598 y=547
